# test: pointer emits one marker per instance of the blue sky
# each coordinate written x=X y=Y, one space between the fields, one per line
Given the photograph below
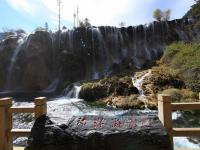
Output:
x=30 y=14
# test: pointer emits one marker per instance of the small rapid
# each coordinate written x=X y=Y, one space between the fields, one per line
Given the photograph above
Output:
x=137 y=81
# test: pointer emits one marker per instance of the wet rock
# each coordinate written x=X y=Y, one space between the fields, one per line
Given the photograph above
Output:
x=142 y=132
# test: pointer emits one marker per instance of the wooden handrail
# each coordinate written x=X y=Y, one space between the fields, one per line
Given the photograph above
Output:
x=20 y=132
x=186 y=132
x=185 y=106
x=22 y=109
x=6 y=112
x=165 y=108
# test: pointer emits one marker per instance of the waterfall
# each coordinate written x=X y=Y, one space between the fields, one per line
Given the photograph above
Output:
x=52 y=87
x=72 y=91
x=138 y=80
x=77 y=91
x=70 y=34
x=13 y=59
x=96 y=52
x=94 y=73
x=145 y=45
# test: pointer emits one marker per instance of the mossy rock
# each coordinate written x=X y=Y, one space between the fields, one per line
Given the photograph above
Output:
x=164 y=77
x=93 y=91
x=116 y=86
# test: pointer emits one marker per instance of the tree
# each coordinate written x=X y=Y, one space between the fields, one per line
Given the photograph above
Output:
x=40 y=29
x=85 y=23
x=46 y=26
x=166 y=15
x=122 y=24
x=64 y=28
x=20 y=31
x=158 y=14
x=162 y=15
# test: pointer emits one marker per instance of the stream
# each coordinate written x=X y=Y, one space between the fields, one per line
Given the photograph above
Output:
x=61 y=109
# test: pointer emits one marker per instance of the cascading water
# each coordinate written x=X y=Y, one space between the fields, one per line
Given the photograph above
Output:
x=52 y=87
x=72 y=91
x=138 y=82
x=100 y=50
x=14 y=56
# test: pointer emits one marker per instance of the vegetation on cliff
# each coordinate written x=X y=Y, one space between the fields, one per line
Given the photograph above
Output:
x=194 y=11
x=183 y=58
x=178 y=73
x=194 y=15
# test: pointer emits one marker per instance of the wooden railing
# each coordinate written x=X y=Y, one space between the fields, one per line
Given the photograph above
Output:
x=6 y=114
x=165 y=108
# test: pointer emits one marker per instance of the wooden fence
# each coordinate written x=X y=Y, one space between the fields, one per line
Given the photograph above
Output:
x=165 y=108
x=6 y=113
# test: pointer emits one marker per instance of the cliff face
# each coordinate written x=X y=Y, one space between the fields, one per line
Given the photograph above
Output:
x=39 y=63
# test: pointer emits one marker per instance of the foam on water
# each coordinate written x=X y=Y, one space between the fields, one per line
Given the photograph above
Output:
x=183 y=142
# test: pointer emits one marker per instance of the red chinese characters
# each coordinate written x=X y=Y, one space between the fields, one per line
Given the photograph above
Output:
x=81 y=121
x=131 y=123
x=117 y=123
x=98 y=122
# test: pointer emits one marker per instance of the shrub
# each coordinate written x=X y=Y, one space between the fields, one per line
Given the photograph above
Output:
x=184 y=59
x=166 y=76
x=181 y=95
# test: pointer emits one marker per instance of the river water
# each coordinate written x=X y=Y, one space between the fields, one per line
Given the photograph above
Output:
x=61 y=109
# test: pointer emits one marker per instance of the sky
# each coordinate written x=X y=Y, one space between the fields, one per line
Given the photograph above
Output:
x=30 y=14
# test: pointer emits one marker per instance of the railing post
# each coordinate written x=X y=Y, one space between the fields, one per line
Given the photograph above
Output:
x=40 y=106
x=165 y=114
x=199 y=95
x=5 y=124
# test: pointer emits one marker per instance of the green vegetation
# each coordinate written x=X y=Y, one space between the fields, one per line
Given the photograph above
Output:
x=157 y=14
x=179 y=95
x=195 y=10
x=178 y=72
x=194 y=14
x=183 y=58
x=165 y=77
x=115 y=86
x=117 y=91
